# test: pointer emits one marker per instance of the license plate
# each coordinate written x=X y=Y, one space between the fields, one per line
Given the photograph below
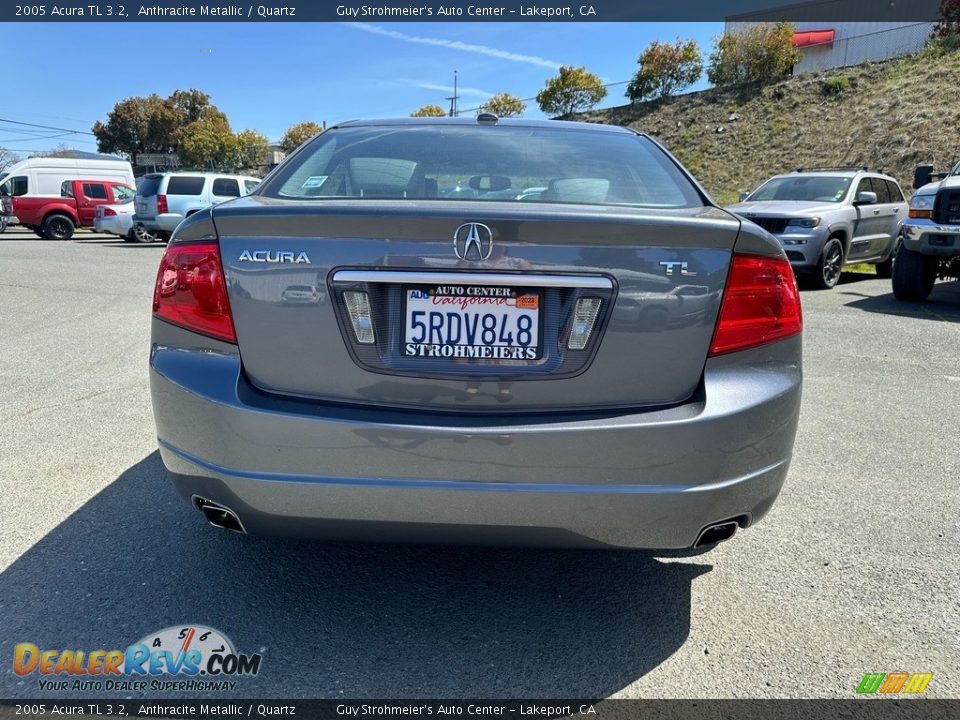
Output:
x=482 y=322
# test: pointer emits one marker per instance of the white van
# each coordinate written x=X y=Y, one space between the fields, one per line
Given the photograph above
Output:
x=44 y=176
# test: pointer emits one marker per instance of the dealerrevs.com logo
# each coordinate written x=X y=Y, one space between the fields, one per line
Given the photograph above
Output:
x=198 y=657
x=894 y=683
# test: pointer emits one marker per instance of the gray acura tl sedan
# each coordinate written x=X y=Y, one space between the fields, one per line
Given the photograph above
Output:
x=611 y=361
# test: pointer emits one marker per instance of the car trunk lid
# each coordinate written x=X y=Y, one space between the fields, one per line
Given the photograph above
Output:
x=652 y=279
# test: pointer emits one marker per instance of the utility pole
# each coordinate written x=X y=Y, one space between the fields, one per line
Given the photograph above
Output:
x=454 y=110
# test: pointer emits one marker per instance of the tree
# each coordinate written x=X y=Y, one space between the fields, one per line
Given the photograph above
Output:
x=949 y=19
x=137 y=125
x=208 y=142
x=298 y=134
x=150 y=124
x=758 y=53
x=504 y=105
x=8 y=158
x=665 y=68
x=189 y=104
x=60 y=151
x=252 y=147
x=429 y=111
x=572 y=90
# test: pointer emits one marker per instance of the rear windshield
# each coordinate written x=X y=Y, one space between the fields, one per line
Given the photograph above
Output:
x=813 y=188
x=185 y=185
x=149 y=185
x=480 y=163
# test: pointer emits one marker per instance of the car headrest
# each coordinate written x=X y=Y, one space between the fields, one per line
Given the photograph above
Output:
x=585 y=190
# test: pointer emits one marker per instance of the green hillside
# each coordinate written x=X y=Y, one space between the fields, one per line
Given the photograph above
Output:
x=893 y=116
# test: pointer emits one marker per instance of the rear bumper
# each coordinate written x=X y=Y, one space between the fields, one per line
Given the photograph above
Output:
x=929 y=238
x=642 y=479
x=166 y=222
x=112 y=225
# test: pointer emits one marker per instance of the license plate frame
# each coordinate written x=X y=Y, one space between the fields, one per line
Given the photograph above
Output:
x=495 y=298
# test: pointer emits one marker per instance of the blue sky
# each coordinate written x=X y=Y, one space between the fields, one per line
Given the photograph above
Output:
x=269 y=76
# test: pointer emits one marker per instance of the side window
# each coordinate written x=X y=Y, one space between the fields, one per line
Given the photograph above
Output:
x=226 y=187
x=95 y=191
x=896 y=194
x=121 y=193
x=15 y=186
x=185 y=185
x=66 y=189
x=880 y=188
x=863 y=186
x=250 y=185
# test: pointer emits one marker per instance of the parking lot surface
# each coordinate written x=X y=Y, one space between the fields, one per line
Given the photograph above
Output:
x=854 y=570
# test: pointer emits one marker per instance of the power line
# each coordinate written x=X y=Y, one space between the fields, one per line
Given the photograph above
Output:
x=34 y=138
x=46 y=127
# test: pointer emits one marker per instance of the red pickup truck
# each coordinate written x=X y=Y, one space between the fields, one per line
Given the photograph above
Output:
x=55 y=218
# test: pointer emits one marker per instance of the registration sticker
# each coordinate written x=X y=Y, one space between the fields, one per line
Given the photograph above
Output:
x=314 y=181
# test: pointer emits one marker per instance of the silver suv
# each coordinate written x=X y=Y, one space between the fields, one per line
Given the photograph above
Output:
x=164 y=199
x=826 y=219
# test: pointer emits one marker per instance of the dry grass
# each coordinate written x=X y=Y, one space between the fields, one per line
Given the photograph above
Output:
x=894 y=115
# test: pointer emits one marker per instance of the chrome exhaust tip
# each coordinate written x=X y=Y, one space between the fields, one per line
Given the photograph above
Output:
x=218 y=515
x=713 y=534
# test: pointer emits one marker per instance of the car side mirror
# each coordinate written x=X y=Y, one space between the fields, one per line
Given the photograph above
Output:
x=866 y=198
x=744 y=195
x=922 y=175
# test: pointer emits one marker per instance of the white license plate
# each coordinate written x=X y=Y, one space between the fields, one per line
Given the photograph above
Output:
x=492 y=323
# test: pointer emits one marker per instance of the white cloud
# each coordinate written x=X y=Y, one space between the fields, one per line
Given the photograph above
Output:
x=449 y=89
x=457 y=45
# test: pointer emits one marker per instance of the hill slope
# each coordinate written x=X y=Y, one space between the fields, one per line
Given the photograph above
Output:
x=894 y=115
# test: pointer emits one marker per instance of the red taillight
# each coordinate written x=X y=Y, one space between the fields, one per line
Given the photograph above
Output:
x=760 y=304
x=161 y=204
x=191 y=291
x=109 y=212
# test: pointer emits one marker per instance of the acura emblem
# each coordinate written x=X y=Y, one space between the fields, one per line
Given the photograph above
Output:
x=473 y=241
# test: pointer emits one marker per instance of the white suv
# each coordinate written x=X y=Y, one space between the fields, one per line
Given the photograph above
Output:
x=163 y=200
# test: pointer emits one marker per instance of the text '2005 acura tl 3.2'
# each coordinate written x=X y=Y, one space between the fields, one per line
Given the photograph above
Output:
x=458 y=330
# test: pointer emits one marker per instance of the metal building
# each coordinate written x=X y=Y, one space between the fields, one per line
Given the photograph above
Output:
x=833 y=39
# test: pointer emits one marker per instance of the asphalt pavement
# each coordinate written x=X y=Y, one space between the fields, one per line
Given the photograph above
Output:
x=855 y=569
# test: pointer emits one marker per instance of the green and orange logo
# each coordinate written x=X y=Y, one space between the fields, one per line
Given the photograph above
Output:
x=894 y=683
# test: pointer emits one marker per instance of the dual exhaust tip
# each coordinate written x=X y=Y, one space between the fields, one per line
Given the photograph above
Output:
x=219 y=515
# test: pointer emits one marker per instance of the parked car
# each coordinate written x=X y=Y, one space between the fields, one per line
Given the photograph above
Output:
x=931 y=235
x=56 y=217
x=117 y=219
x=302 y=294
x=463 y=378
x=164 y=199
x=830 y=218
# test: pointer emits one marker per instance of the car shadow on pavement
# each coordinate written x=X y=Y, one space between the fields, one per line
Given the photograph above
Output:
x=943 y=304
x=806 y=283
x=123 y=244
x=344 y=620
